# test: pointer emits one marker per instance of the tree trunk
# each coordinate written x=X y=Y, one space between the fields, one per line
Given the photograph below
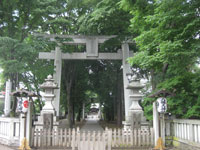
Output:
x=119 y=107
x=69 y=108
x=15 y=84
x=69 y=75
x=119 y=100
x=73 y=115
x=123 y=105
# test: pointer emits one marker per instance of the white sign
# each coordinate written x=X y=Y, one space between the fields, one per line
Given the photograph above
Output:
x=22 y=105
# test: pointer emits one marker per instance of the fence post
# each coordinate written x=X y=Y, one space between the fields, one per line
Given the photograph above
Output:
x=33 y=136
x=162 y=127
x=109 y=138
x=104 y=141
x=152 y=136
x=73 y=139
x=191 y=132
x=29 y=122
x=22 y=119
x=78 y=138
x=167 y=125
x=11 y=130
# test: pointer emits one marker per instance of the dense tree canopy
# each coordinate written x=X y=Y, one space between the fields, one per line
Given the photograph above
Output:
x=19 y=49
x=166 y=36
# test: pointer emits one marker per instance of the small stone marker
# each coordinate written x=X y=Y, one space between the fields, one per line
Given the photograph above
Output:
x=7 y=103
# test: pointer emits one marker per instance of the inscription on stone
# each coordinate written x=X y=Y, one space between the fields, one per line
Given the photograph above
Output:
x=136 y=121
x=48 y=121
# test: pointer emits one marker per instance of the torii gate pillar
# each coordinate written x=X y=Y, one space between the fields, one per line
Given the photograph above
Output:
x=126 y=69
x=57 y=78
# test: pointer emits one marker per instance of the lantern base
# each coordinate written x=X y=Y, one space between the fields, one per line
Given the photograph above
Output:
x=24 y=145
x=159 y=145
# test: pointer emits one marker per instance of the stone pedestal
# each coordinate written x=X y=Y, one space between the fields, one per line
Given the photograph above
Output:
x=47 y=118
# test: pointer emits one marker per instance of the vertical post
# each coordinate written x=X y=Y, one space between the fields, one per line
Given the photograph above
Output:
x=29 y=123
x=73 y=139
x=83 y=115
x=7 y=103
x=191 y=132
x=11 y=130
x=155 y=123
x=25 y=116
x=126 y=69
x=162 y=127
x=109 y=139
x=57 y=78
x=168 y=128
x=22 y=131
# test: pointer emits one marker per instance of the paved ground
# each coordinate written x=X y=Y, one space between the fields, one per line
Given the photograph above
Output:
x=92 y=124
x=63 y=123
x=3 y=147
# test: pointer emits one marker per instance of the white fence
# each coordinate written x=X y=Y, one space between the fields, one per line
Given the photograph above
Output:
x=9 y=131
x=91 y=140
x=187 y=129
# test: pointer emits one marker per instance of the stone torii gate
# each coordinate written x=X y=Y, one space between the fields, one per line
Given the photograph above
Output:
x=91 y=53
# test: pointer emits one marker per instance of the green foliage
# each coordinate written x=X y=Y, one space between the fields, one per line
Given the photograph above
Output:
x=168 y=47
x=106 y=19
x=148 y=107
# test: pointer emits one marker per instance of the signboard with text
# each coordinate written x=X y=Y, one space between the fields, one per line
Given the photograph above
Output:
x=22 y=105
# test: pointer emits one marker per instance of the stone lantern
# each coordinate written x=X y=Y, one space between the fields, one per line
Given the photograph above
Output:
x=136 y=115
x=49 y=87
x=47 y=118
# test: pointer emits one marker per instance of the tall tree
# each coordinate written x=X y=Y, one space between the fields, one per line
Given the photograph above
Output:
x=167 y=36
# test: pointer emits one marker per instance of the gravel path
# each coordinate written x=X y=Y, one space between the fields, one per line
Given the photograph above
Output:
x=92 y=124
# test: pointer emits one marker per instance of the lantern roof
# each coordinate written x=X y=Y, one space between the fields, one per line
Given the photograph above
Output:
x=49 y=83
x=23 y=93
x=162 y=93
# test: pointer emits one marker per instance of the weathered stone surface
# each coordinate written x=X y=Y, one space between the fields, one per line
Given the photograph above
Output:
x=48 y=121
x=126 y=69
x=7 y=103
x=135 y=112
x=47 y=118
x=57 y=79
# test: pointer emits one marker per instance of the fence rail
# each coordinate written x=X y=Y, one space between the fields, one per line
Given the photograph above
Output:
x=187 y=129
x=9 y=130
x=117 y=138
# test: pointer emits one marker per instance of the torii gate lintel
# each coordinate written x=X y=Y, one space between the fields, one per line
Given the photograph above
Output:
x=91 y=42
